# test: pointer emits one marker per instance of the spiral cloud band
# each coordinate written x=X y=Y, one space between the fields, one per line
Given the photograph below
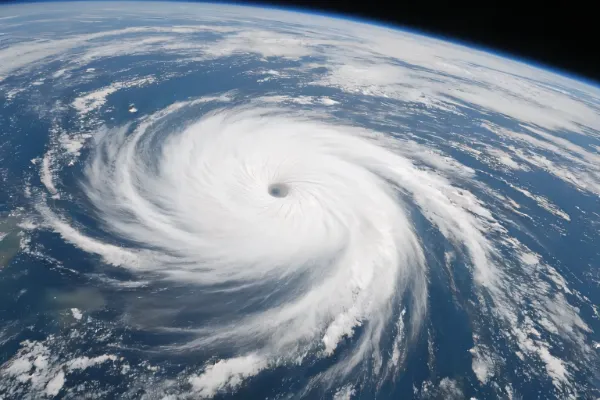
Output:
x=299 y=235
x=289 y=208
x=260 y=197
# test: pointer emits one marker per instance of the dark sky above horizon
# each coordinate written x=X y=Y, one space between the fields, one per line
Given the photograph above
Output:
x=564 y=36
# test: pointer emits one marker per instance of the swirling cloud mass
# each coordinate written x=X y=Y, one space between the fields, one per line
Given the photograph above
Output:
x=310 y=233
x=269 y=204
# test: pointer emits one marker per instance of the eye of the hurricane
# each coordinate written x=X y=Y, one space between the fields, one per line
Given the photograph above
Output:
x=279 y=190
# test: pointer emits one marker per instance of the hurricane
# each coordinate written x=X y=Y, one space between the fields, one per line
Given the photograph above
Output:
x=222 y=202
x=298 y=229
x=300 y=216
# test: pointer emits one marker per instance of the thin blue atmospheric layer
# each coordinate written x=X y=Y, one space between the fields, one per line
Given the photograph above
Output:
x=416 y=31
x=432 y=35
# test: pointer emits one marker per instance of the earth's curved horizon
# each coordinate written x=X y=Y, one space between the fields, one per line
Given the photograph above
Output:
x=222 y=201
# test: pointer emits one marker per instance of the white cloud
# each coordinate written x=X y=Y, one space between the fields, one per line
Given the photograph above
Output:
x=94 y=100
x=227 y=374
x=76 y=313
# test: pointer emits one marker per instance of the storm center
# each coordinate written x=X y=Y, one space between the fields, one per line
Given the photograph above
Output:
x=279 y=189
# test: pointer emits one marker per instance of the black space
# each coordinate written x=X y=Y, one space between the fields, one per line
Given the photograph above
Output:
x=563 y=36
